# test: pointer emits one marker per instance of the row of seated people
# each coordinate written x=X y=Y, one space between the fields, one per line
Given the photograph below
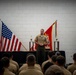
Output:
x=53 y=66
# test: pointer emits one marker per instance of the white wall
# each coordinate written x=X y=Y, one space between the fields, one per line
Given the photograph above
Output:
x=26 y=18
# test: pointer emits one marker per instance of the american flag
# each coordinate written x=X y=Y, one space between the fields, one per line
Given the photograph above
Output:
x=9 y=42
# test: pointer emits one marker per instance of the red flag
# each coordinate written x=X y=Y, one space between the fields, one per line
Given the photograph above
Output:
x=48 y=33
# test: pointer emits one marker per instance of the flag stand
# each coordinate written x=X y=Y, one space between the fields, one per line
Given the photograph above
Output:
x=56 y=45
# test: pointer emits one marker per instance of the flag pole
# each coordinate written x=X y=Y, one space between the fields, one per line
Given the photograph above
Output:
x=56 y=37
x=56 y=29
x=55 y=42
x=24 y=47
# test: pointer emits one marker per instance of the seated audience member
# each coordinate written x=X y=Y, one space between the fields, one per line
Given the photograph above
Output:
x=57 y=53
x=1 y=68
x=13 y=67
x=30 y=60
x=72 y=67
x=50 y=54
x=25 y=66
x=74 y=73
x=60 y=61
x=6 y=62
x=54 y=59
x=54 y=70
x=10 y=56
x=46 y=66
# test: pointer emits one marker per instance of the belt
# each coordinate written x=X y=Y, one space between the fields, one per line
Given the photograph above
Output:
x=41 y=46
